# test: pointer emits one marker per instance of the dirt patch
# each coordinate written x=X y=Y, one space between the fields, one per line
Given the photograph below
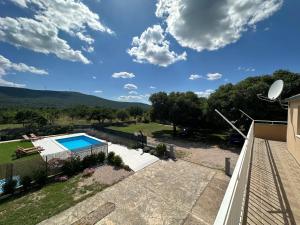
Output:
x=106 y=175
x=204 y=154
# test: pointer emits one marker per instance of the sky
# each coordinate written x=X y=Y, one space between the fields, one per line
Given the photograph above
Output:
x=127 y=50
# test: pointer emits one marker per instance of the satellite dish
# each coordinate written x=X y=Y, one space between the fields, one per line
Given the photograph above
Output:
x=275 y=90
x=274 y=93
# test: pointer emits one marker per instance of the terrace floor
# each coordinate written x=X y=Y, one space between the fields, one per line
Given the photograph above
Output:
x=274 y=185
x=165 y=193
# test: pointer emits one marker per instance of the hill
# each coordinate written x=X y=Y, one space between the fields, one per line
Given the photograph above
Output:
x=22 y=97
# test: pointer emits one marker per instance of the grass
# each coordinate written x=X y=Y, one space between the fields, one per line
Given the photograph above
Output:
x=39 y=205
x=7 y=151
x=147 y=128
x=10 y=126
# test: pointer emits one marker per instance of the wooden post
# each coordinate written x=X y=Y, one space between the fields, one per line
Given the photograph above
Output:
x=227 y=166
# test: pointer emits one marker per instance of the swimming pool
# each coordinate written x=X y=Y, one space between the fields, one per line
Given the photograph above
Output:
x=77 y=142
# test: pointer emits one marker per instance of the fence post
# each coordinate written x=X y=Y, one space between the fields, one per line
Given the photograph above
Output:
x=46 y=165
x=227 y=166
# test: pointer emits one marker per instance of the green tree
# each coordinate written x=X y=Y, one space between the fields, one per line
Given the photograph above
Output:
x=135 y=111
x=122 y=115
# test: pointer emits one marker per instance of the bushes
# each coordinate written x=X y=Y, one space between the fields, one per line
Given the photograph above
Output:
x=161 y=150
x=26 y=182
x=9 y=186
x=40 y=177
x=72 y=166
x=89 y=160
x=101 y=157
x=117 y=161
x=110 y=157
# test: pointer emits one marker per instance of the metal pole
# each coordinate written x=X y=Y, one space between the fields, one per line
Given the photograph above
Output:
x=227 y=166
x=234 y=127
x=246 y=114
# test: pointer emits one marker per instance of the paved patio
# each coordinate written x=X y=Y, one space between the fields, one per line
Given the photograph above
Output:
x=164 y=193
x=274 y=185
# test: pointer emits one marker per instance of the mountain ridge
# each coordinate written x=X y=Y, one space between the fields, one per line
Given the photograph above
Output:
x=24 y=97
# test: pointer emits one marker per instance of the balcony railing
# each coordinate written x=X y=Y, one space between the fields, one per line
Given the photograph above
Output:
x=232 y=207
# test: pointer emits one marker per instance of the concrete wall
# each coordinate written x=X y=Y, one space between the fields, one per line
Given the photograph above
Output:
x=293 y=139
x=275 y=132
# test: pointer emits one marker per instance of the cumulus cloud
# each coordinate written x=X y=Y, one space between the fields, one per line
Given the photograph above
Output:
x=7 y=66
x=133 y=92
x=152 y=87
x=88 y=49
x=204 y=94
x=130 y=86
x=98 y=91
x=123 y=75
x=152 y=47
x=214 y=24
x=40 y=33
x=195 y=77
x=94 y=77
x=214 y=76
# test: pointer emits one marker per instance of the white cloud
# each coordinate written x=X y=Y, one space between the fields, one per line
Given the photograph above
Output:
x=195 y=77
x=246 y=69
x=211 y=25
x=94 y=77
x=88 y=49
x=7 y=66
x=98 y=91
x=204 y=94
x=133 y=92
x=152 y=87
x=152 y=47
x=214 y=76
x=123 y=75
x=130 y=86
x=37 y=36
x=41 y=33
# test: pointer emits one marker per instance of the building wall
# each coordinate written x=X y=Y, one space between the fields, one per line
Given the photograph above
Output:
x=293 y=139
x=275 y=132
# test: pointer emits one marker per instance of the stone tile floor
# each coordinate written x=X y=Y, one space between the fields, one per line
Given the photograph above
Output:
x=164 y=193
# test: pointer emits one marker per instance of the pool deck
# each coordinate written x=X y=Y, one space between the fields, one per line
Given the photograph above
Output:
x=135 y=159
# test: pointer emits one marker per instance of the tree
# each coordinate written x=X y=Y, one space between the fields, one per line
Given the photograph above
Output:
x=135 y=111
x=101 y=115
x=180 y=109
x=122 y=115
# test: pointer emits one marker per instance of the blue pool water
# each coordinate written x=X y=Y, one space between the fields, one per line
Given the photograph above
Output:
x=73 y=143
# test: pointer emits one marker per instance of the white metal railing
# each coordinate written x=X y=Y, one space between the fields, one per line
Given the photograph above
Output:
x=232 y=207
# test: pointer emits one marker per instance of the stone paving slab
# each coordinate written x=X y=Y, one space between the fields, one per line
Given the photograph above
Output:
x=161 y=194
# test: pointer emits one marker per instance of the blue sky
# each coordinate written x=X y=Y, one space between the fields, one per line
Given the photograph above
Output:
x=89 y=46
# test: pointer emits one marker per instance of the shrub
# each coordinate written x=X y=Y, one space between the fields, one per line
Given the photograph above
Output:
x=110 y=157
x=161 y=150
x=26 y=182
x=117 y=161
x=89 y=160
x=40 y=177
x=126 y=167
x=9 y=186
x=100 y=157
x=72 y=166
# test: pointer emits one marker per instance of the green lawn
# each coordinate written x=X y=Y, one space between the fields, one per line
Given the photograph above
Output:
x=7 y=151
x=9 y=126
x=148 y=129
x=37 y=206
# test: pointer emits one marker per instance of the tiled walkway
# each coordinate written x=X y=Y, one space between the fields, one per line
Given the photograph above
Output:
x=164 y=193
x=274 y=194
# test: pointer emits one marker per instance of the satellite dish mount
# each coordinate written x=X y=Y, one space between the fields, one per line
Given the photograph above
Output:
x=274 y=93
